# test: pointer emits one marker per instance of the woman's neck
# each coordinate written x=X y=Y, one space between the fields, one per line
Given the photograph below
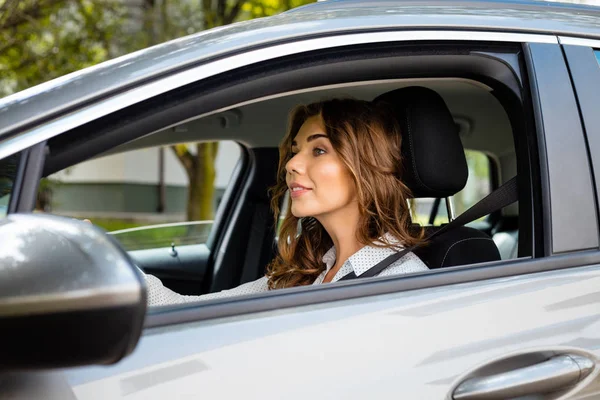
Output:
x=341 y=228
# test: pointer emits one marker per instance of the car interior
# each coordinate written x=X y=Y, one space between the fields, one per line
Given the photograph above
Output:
x=444 y=113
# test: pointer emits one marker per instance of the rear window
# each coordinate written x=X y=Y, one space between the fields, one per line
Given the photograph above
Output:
x=479 y=184
x=597 y=52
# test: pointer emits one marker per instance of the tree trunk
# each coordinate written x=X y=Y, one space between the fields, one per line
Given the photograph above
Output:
x=201 y=175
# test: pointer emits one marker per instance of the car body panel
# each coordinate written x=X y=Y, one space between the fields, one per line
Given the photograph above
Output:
x=584 y=67
x=561 y=136
x=412 y=345
x=59 y=95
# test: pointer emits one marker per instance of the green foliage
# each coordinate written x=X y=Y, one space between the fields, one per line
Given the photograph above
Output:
x=478 y=163
x=265 y=8
x=44 y=39
x=114 y=224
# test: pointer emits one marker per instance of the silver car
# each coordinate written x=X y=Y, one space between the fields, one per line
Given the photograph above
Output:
x=522 y=82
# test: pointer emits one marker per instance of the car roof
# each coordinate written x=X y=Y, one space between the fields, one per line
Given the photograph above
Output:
x=326 y=5
x=32 y=106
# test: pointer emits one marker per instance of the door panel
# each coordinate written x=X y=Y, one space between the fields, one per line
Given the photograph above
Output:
x=412 y=345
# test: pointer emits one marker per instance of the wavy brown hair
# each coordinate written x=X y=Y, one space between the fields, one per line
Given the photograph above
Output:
x=367 y=139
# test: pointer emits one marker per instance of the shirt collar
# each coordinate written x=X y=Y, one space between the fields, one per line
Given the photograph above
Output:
x=329 y=258
x=365 y=258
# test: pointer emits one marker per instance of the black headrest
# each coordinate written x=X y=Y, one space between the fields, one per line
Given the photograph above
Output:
x=434 y=158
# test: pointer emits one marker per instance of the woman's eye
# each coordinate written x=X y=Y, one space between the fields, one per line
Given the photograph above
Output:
x=317 y=151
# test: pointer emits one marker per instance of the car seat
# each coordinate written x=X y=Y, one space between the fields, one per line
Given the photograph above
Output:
x=435 y=166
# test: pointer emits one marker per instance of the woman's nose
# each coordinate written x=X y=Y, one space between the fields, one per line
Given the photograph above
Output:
x=295 y=164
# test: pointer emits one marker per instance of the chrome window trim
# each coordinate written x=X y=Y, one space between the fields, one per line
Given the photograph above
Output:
x=87 y=114
x=574 y=41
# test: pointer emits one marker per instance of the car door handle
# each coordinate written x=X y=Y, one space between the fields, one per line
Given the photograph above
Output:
x=555 y=373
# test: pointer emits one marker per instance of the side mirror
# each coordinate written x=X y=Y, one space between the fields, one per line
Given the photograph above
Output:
x=69 y=294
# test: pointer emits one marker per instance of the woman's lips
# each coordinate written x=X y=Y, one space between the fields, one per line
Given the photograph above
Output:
x=298 y=192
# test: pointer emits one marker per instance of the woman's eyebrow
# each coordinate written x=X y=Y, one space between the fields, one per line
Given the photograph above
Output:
x=311 y=138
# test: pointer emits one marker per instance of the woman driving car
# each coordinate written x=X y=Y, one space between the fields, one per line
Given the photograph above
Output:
x=340 y=161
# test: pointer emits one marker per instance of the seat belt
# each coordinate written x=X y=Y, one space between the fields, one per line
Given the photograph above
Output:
x=498 y=199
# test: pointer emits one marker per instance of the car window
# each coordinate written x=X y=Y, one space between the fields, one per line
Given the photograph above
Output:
x=597 y=52
x=479 y=184
x=146 y=198
x=8 y=174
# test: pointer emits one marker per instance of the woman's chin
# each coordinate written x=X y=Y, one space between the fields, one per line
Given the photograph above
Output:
x=298 y=212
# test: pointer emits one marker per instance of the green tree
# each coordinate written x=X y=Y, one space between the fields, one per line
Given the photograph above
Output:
x=43 y=39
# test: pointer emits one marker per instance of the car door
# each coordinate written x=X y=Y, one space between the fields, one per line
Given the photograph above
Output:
x=531 y=323
x=525 y=323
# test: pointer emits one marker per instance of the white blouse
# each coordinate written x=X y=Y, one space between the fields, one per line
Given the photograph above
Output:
x=359 y=262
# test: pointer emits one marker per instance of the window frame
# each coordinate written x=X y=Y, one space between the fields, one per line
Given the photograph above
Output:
x=16 y=184
x=221 y=99
x=29 y=173
x=551 y=89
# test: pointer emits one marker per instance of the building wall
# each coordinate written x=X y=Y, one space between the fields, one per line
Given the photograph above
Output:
x=128 y=182
x=116 y=197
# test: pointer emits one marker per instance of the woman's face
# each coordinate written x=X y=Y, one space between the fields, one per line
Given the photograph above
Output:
x=318 y=180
